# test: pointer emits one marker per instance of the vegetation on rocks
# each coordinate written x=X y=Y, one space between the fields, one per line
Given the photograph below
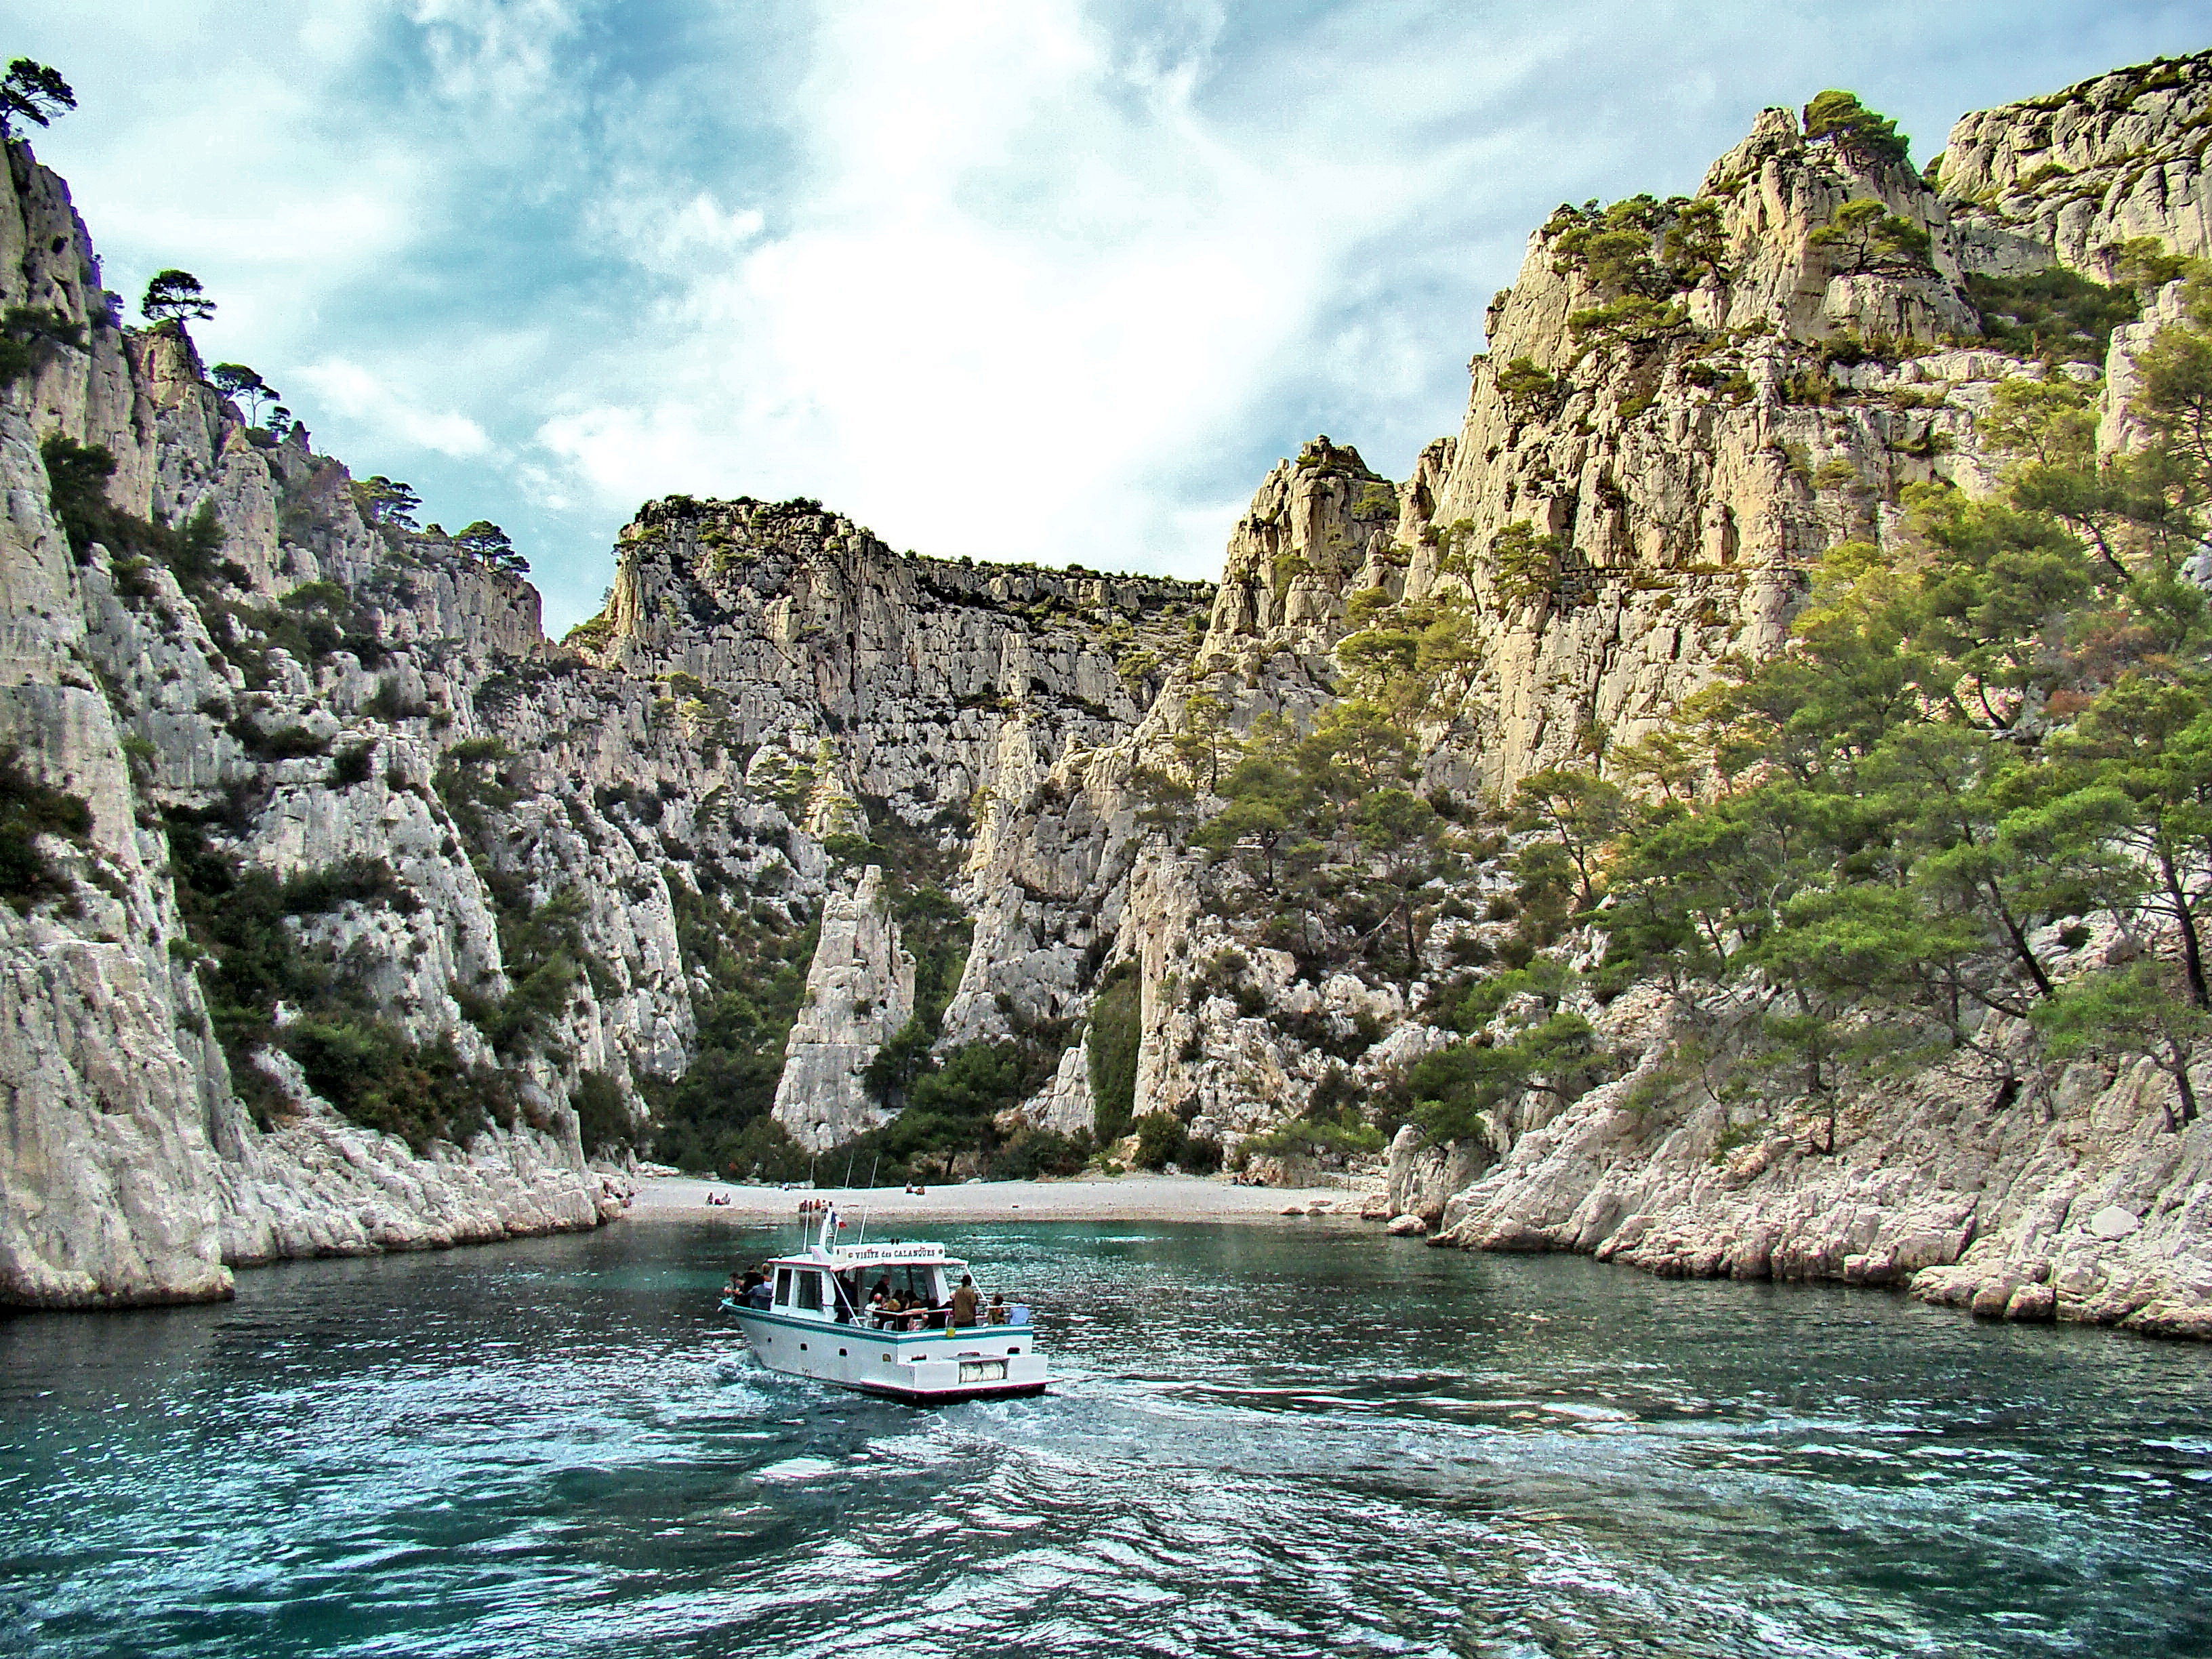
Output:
x=1977 y=787
x=1839 y=117
x=1115 y=1032
x=29 y=336
x=2056 y=314
x=752 y=958
x=268 y=988
x=28 y=810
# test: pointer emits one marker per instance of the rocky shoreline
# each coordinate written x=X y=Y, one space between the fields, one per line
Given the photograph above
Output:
x=2067 y=1196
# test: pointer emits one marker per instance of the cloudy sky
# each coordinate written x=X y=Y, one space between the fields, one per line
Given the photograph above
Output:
x=1025 y=279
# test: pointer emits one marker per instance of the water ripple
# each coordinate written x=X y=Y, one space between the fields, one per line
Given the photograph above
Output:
x=1261 y=1447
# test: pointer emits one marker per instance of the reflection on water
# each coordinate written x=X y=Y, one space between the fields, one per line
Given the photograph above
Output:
x=1264 y=1443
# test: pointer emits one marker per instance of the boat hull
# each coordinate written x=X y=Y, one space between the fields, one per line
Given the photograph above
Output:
x=990 y=1362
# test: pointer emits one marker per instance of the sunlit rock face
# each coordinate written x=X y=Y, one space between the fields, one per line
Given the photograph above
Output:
x=2072 y=175
x=860 y=990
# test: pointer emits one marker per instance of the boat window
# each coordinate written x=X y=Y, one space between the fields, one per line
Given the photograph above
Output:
x=921 y=1285
x=783 y=1287
x=810 y=1292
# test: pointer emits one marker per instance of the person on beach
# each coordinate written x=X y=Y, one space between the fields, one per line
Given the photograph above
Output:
x=963 y=1301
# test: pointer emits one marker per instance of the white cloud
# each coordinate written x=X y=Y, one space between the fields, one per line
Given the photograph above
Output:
x=353 y=390
x=1020 y=278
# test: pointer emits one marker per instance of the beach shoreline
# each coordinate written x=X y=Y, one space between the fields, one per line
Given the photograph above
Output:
x=1126 y=1198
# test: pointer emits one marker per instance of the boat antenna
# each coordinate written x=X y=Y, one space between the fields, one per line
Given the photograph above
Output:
x=850 y=1157
x=872 y=1162
x=863 y=1238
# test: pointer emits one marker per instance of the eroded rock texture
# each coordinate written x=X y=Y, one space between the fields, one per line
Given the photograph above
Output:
x=530 y=865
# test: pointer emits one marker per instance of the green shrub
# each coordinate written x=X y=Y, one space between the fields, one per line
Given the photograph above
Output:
x=77 y=476
x=2056 y=314
x=29 y=335
x=1302 y=1137
x=1031 y=1153
x=286 y=743
x=353 y=766
x=1525 y=388
x=352 y=881
x=1160 y=1140
x=376 y=1078
x=543 y=947
x=389 y=704
x=316 y=596
x=1377 y=499
x=28 y=809
x=1116 y=1032
x=602 y=1119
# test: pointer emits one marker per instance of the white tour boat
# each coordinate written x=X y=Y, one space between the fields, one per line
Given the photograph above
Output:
x=817 y=1324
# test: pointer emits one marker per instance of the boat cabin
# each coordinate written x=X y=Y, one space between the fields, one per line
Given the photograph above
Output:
x=839 y=1283
x=842 y=1292
x=818 y=1322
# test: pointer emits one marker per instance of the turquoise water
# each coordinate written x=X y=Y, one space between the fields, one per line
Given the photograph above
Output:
x=1270 y=1440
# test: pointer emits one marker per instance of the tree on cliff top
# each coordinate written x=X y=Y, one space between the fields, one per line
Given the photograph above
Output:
x=1871 y=138
x=174 y=296
x=237 y=381
x=486 y=541
x=31 y=92
x=385 y=500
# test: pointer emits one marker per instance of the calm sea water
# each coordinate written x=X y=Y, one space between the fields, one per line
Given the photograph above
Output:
x=1271 y=1440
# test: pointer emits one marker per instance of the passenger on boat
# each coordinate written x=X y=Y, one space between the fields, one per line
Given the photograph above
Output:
x=963 y=1301
x=996 y=1313
x=760 y=1291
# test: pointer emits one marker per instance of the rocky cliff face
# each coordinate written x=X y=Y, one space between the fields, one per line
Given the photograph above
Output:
x=1683 y=445
x=2074 y=176
x=375 y=888
x=860 y=990
x=365 y=910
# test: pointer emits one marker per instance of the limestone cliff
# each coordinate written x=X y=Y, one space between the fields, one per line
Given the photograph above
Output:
x=358 y=913
x=383 y=907
x=2074 y=176
x=860 y=990
x=1684 y=441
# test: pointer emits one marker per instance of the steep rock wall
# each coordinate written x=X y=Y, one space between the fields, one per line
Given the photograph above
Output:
x=450 y=808
x=2069 y=176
